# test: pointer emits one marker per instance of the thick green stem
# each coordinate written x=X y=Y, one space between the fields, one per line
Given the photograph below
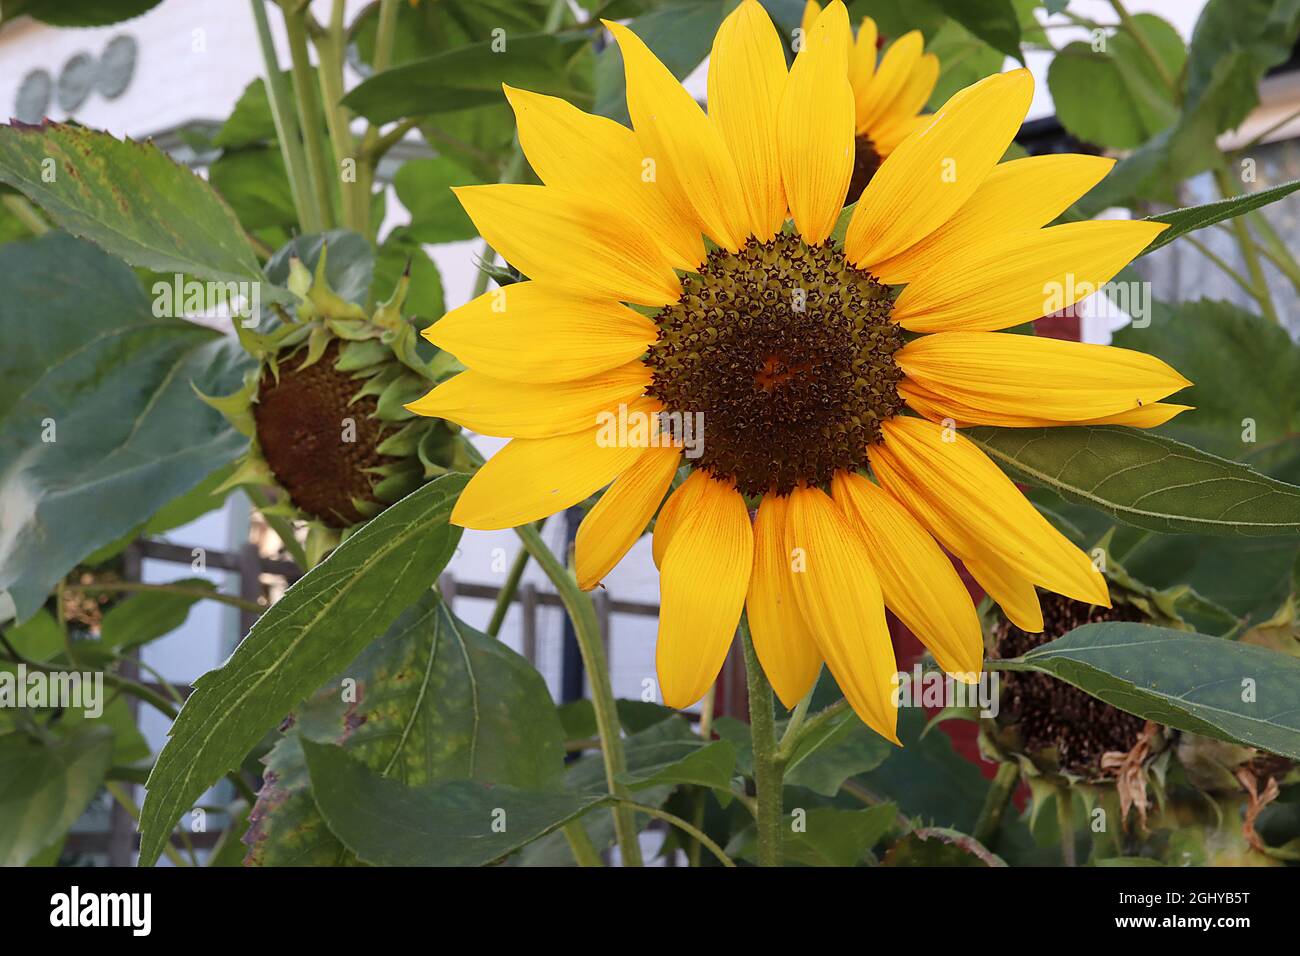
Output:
x=995 y=802
x=1065 y=823
x=768 y=766
x=305 y=92
x=586 y=628
x=584 y=851
x=385 y=35
x=286 y=124
x=329 y=49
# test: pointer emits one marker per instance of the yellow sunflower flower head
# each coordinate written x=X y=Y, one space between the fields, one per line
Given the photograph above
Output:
x=789 y=347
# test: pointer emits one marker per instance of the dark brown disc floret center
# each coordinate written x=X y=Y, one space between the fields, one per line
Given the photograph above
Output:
x=787 y=351
x=866 y=160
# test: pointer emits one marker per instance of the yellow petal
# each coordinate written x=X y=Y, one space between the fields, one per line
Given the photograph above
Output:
x=918 y=581
x=943 y=409
x=1063 y=382
x=914 y=95
x=840 y=600
x=965 y=500
x=492 y=406
x=620 y=517
x=932 y=174
x=572 y=241
x=691 y=160
x=531 y=478
x=811 y=11
x=784 y=645
x=746 y=80
x=701 y=592
x=532 y=332
x=1015 y=595
x=1019 y=277
x=887 y=139
x=573 y=150
x=683 y=499
x=1022 y=194
x=862 y=59
x=815 y=127
x=890 y=78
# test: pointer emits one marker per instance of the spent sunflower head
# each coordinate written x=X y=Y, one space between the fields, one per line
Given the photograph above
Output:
x=791 y=344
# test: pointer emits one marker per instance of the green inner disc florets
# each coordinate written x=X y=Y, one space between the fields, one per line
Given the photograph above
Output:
x=788 y=351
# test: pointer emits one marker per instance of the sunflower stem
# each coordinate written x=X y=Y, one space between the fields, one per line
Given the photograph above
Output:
x=586 y=629
x=507 y=593
x=1249 y=252
x=769 y=766
x=995 y=802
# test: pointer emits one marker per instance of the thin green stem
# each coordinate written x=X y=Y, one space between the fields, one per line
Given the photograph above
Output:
x=1249 y=252
x=995 y=802
x=701 y=796
x=584 y=851
x=26 y=213
x=509 y=588
x=789 y=743
x=586 y=628
x=306 y=91
x=184 y=590
x=286 y=124
x=796 y=722
x=1223 y=266
x=699 y=835
x=768 y=766
x=1140 y=38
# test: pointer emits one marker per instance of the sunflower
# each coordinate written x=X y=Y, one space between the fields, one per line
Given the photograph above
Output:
x=790 y=345
x=887 y=96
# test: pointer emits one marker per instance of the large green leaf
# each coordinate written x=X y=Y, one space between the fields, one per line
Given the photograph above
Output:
x=85 y=356
x=471 y=76
x=993 y=21
x=841 y=748
x=1145 y=479
x=424 y=187
x=321 y=624
x=1114 y=97
x=77 y=13
x=45 y=787
x=1223 y=689
x=448 y=823
x=1191 y=218
x=131 y=198
x=435 y=700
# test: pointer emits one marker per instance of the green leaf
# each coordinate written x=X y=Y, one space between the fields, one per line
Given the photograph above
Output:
x=963 y=59
x=322 y=622
x=993 y=21
x=130 y=198
x=1145 y=479
x=827 y=836
x=1115 y=97
x=147 y=615
x=1206 y=685
x=449 y=823
x=85 y=356
x=77 y=13
x=841 y=748
x=435 y=700
x=424 y=187
x=255 y=183
x=470 y=76
x=683 y=762
x=44 y=788
x=1191 y=218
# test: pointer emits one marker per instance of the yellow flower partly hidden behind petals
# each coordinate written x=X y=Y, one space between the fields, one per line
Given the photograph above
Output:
x=814 y=499
x=889 y=92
